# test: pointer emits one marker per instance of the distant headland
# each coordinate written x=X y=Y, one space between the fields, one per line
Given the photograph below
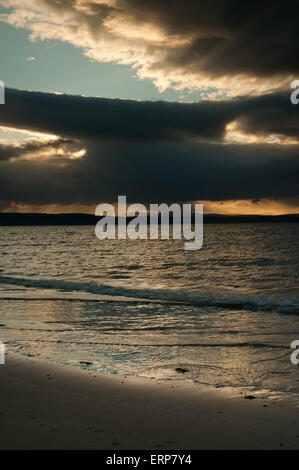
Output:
x=19 y=219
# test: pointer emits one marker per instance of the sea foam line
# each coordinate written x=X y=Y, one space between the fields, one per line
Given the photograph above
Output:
x=194 y=298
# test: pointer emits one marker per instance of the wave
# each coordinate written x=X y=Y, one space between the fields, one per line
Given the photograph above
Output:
x=235 y=301
x=246 y=344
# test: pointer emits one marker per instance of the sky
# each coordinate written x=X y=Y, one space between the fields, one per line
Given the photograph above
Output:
x=161 y=101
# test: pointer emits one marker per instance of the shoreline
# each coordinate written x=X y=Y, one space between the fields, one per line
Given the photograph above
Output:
x=45 y=405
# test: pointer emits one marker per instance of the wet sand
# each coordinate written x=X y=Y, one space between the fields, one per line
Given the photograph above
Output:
x=49 y=406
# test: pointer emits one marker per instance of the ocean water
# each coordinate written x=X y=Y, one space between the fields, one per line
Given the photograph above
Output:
x=226 y=314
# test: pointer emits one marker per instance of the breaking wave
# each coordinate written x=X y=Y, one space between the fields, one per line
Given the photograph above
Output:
x=158 y=295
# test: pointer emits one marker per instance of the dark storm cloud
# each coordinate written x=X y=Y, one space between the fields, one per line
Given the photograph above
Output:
x=153 y=172
x=150 y=151
x=226 y=37
x=81 y=117
x=106 y=118
x=270 y=114
x=196 y=44
x=160 y=151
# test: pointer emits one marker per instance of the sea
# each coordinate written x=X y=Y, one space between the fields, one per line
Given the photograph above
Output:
x=223 y=316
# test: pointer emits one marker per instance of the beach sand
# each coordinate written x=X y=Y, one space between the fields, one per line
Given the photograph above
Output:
x=49 y=406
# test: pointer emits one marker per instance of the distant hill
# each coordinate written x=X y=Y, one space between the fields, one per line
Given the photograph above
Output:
x=15 y=219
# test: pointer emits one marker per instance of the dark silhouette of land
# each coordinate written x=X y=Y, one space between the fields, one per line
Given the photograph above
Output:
x=15 y=219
